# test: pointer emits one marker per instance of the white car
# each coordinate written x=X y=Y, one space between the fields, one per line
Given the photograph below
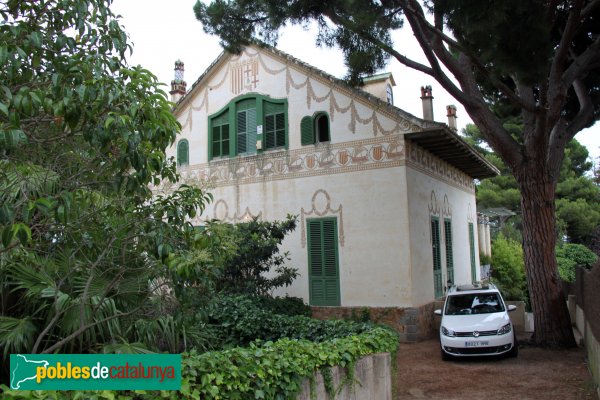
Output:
x=475 y=322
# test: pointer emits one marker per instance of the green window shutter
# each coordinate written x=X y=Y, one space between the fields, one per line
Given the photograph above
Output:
x=246 y=126
x=472 y=248
x=449 y=250
x=324 y=282
x=437 y=257
x=307 y=132
x=246 y=131
x=182 y=152
x=220 y=135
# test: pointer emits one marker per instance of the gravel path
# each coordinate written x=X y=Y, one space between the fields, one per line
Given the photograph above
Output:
x=535 y=374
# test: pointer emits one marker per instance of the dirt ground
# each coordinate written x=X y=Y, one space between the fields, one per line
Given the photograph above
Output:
x=535 y=374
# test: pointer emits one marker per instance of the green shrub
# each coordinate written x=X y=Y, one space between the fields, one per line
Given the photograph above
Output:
x=240 y=321
x=256 y=267
x=283 y=305
x=271 y=370
x=569 y=256
x=508 y=268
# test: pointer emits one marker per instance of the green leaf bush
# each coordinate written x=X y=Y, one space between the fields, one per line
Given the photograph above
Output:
x=240 y=321
x=508 y=268
x=569 y=256
x=263 y=370
x=283 y=305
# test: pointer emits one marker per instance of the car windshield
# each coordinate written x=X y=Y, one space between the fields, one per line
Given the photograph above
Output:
x=474 y=303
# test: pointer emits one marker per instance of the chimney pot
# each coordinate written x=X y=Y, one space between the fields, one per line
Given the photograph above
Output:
x=452 y=117
x=427 y=98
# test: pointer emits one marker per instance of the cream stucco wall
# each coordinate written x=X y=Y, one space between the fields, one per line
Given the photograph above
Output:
x=376 y=184
x=436 y=189
x=373 y=252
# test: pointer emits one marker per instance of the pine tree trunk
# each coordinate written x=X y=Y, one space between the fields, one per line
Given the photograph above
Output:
x=551 y=316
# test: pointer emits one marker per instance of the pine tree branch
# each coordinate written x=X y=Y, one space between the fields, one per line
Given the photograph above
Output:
x=582 y=64
x=346 y=23
x=469 y=94
x=557 y=89
x=588 y=9
x=586 y=110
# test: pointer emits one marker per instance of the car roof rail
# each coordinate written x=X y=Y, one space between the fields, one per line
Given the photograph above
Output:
x=475 y=286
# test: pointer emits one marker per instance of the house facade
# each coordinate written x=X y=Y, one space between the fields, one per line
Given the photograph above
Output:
x=385 y=200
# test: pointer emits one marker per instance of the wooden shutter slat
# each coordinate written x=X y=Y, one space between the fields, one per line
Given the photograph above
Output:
x=182 y=152
x=241 y=132
x=323 y=262
x=307 y=133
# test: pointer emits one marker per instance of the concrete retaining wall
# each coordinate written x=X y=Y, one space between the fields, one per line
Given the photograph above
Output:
x=584 y=308
x=372 y=381
x=592 y=345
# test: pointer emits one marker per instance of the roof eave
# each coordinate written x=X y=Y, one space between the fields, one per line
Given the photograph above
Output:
x=456 y=151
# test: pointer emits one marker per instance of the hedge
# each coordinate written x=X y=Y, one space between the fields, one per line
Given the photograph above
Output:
x=240 y=321
x=263 y=370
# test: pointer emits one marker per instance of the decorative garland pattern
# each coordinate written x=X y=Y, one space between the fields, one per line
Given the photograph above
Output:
x=327 y=210
x=334 y=107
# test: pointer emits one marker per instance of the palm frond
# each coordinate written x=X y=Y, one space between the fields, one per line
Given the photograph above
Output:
x=25 y=181
x=124 y=347
x=16 y=335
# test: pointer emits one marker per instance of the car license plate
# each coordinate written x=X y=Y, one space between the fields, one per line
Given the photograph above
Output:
x=478 y=343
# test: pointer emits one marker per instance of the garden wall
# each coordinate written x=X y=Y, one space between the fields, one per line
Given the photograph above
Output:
x=587 y=312
x=412 y=324
x=372 y=380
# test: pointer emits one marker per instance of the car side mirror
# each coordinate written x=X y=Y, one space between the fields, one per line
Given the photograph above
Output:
x=438 y=312
x=511 y=307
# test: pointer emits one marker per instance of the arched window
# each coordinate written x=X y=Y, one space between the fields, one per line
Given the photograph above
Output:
x=390 y=94
x=322 y=127
x=183 y=153
x=315 y=129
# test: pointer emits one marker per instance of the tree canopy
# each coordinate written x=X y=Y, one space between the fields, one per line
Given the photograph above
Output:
x=535 y=60
x=82 y=136
x=577 y=195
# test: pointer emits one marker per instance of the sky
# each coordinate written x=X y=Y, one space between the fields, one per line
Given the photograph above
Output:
x=163 y=32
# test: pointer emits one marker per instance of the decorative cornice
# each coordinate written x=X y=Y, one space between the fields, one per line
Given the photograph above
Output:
x=313 y=160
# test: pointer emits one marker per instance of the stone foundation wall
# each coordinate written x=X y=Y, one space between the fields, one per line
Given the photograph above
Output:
x=413 y=324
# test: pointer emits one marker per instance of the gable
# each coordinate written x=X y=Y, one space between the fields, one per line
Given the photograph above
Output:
x=353 y=113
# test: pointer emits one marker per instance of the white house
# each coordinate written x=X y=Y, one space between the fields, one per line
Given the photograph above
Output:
x=385 y=200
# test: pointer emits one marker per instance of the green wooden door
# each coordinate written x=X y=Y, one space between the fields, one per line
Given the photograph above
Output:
x=449 y=251
x=438 y=286
x=472 y=245
x=323 y=268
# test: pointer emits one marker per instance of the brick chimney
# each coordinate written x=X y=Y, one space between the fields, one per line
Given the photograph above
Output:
x=427 y=99
x=178 y=85
x=452 y=117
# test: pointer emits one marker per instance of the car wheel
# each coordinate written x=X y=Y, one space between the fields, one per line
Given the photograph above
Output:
x=515 y=349
x=446 y=356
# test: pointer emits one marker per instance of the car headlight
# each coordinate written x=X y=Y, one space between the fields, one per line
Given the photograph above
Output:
x=505 y=329
x=448 y=332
